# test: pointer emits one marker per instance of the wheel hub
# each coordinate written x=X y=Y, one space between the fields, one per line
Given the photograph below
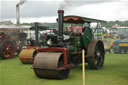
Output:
x=98 y=53
x=7 y=48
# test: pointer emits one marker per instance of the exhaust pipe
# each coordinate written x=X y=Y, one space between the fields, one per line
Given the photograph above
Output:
x=17 y=14
x=36 y=33
x=60 y=25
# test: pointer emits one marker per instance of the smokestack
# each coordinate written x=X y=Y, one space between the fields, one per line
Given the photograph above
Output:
x=36 y=33
x=18 y=10
x=60 y=24
x=17 y=14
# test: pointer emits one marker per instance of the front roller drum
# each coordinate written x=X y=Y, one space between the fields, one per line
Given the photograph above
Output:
x=26 y=56
x=47 y=64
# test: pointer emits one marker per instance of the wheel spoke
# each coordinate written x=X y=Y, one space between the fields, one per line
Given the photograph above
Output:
x=6 y=44
x=5 y=53
x=98 y=51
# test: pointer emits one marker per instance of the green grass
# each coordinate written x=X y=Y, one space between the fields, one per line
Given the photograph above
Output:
x=114 y=72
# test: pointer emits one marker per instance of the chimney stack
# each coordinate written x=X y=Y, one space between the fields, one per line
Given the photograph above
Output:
x=60 y=24
x=17 y=14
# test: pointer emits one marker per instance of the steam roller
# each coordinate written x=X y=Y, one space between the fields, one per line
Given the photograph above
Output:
x=27 y=55
x=64 y=49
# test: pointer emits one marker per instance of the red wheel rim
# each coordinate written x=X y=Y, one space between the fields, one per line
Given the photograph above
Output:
x=8 y=49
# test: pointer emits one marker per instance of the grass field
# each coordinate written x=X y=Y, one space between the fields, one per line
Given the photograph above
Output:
x=114 y=72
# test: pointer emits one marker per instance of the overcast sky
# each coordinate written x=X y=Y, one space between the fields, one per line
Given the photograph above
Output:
x=46 y=10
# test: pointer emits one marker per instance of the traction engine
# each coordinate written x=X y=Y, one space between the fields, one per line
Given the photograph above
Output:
x=12 y=39
x=65 y=49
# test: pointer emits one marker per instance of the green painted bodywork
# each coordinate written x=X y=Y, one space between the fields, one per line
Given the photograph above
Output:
x=87 y=37
x=75 y=45
x=76 y=42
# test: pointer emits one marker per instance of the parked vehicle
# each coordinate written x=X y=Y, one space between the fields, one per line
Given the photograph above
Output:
x=121 y=46
x=12 y=38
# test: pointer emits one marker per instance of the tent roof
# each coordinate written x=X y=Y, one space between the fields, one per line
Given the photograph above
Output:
x=14 y=27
